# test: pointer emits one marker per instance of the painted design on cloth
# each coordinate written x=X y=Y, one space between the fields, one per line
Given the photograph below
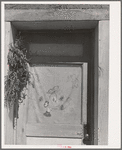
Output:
x=55 y=91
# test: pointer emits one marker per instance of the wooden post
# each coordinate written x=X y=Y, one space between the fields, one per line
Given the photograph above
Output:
x=84 y=106
x=103 y=81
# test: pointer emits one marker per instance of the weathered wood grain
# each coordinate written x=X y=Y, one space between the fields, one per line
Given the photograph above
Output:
x=84 y=98
x=21 y=122
x=53 y=130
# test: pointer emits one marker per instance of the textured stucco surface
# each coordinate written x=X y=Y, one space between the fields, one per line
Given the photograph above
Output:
x=36 y=12
x=103 y=82
x=54 y=6
x=58 y=14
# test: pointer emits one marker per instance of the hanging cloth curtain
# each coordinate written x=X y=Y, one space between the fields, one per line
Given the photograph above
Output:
x=55 y=94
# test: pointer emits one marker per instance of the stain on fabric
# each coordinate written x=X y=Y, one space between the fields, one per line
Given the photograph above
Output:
x=61 y=98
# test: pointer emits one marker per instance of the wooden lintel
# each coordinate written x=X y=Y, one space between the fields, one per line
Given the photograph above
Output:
x=56 y=14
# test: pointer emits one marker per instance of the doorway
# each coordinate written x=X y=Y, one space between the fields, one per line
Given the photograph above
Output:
x=44 y=48
x=57 y=96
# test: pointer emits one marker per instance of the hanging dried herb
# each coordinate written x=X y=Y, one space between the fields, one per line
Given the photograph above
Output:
x=18 y=74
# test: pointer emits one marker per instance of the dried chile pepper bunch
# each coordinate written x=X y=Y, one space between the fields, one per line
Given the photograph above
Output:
x=18 y=74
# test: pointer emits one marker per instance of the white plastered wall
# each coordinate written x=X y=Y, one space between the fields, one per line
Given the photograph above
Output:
x=10 y=32
x=103 y=81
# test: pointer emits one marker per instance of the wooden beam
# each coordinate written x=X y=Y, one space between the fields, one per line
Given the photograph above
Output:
x=53 y=130
x=51 y=59
x=84 y=102
x=21 y=121
x=56 y=14
x=95 y=95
